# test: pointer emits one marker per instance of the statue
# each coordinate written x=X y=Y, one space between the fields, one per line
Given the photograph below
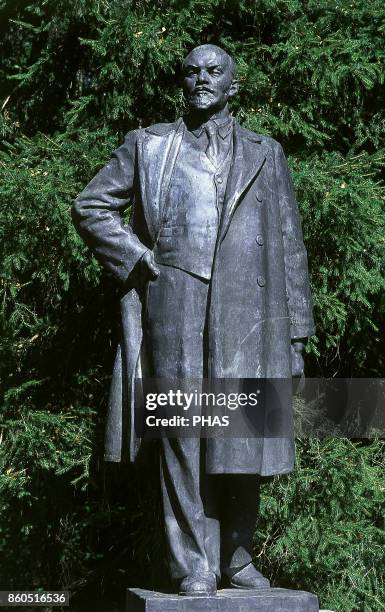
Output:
x=214 y=281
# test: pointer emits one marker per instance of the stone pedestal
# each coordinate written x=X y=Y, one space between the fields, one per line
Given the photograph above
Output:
x=226 y=600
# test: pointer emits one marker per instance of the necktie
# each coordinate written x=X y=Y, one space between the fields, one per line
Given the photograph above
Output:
x=212 y=150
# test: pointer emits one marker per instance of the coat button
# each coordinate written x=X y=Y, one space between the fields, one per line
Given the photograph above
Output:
x=261 y=281
x=219 y=179
x=259 y=239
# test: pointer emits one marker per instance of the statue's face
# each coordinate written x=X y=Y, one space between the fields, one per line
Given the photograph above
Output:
x=208 y=81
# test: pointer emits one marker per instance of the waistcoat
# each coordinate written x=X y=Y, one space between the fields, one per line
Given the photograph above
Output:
x=192 y=211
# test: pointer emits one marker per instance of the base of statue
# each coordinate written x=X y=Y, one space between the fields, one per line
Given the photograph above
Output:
x=226 y=600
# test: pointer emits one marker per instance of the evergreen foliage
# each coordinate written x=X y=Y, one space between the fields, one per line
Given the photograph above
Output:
x=75 y=76
x=325 y=523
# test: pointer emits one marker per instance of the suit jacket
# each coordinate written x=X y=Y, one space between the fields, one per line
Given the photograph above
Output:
x=260 y=296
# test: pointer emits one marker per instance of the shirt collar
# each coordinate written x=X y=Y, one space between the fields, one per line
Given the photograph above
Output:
x=223 y=122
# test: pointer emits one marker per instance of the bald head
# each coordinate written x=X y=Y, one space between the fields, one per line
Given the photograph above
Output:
x=215 y=51
x=208 y=79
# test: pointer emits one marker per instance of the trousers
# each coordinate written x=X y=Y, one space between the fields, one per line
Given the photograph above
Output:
x=209 y=519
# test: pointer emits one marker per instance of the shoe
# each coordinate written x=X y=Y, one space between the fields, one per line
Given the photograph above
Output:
x=199 y=585
x=249 y=578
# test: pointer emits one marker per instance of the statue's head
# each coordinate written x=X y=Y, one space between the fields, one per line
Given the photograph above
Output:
x=209 y=78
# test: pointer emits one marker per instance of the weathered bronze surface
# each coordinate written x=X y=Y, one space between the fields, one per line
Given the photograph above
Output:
x=214 y=281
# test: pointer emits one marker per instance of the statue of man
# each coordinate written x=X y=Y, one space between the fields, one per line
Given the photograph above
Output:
x=214 y=281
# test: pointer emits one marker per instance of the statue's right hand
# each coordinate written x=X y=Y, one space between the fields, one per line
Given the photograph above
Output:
x=149 y=268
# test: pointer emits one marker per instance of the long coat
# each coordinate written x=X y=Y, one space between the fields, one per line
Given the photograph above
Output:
x=259 y=294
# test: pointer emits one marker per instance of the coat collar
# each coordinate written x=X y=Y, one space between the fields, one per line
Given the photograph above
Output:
x=163 y=129
x=249 y=156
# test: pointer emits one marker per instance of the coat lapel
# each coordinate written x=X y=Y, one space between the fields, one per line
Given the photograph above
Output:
x=249 y=157
x=158 y=148
x=170 y=159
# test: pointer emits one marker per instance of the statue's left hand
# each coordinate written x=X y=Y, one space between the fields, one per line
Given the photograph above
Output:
x=297 y=363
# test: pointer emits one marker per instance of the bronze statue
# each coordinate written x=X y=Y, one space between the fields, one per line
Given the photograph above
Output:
x=214 y=282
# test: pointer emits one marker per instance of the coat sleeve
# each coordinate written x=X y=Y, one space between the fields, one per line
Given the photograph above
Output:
x=96 y=213
x=296 y=266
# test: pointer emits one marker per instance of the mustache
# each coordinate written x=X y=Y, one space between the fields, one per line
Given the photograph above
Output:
x=200 y=88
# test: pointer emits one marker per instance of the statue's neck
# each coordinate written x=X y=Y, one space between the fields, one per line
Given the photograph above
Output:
x=198 y=118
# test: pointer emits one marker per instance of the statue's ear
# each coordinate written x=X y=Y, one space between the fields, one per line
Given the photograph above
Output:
x=234 y=88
